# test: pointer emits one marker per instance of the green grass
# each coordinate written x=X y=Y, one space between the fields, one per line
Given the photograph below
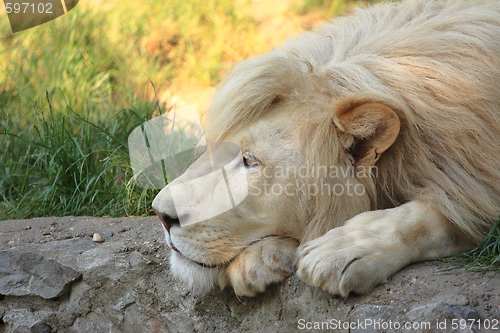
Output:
x=66 y=165
x=125 y=44
x=485 y=257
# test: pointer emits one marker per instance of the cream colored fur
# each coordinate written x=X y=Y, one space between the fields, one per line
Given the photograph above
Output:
x=410 y=91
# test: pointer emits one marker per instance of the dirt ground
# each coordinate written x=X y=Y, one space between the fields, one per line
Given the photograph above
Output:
x=145 y=235
x=132 y=260
x=142 y=234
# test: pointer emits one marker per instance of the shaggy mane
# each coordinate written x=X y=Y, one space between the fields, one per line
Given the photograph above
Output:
x=437 y=64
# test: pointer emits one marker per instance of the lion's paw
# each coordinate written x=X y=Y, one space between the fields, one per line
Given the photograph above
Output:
x=265 y=262
x=353 y=258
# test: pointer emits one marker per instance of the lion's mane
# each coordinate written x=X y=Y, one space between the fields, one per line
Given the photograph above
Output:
x=436 y=64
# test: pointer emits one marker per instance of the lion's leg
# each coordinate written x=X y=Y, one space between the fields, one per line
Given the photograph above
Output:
x=373 y=245
x=266 y=261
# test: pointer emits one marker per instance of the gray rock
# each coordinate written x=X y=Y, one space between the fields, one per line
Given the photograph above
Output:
x=124 y=302
x=30 y=274
x=24 y=320
x=99 y=256
x=41 y=327
x=123 y=290
x=136 y=259
x=444 y=314
x=446 y=318
x=21 y=329
x=65 y=251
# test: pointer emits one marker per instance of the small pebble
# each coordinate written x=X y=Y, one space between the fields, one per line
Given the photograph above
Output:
x=107 y=235
x=46 y=233
x=11 y=243
x=97 y=238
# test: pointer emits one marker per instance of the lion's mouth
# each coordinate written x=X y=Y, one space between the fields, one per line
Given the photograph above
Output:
x=203 y=264
x=196 y=262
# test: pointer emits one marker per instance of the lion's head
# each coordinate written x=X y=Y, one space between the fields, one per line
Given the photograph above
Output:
x=305 y=174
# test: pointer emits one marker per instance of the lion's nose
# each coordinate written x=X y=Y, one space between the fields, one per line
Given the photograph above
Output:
x=167 y=221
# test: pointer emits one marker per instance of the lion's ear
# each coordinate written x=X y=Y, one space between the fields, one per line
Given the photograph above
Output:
x=371 y=129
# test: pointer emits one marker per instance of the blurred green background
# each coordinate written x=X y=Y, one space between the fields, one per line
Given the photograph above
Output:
x=72 y=90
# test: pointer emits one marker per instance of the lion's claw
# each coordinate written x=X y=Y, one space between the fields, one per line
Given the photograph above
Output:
x=352 y=258
x=265 y=262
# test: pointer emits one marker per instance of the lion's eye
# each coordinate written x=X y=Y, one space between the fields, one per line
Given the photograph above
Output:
x=250 y=160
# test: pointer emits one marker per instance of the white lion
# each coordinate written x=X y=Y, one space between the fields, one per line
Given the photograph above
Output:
x=406 y=97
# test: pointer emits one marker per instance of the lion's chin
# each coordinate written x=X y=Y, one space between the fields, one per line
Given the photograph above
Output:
x=198 y=279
